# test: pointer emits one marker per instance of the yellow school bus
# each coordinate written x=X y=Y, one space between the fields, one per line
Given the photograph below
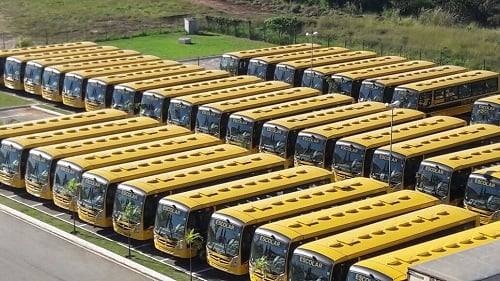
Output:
x=17 y=70
x=329 y=258
x=5 y=53
x=275 y=241
x=231 y=229
x=98 y=186
x=15 y=150
x=182 y=110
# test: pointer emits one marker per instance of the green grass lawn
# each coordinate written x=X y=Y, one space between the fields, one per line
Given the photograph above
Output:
x=167 y=46
x=8 y=100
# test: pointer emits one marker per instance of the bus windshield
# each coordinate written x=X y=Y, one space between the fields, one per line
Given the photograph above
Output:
x=273 y=139
x=309 y=269
x=152 y=105
x=271 y=247
x=170 y=221
x=11 y=157
x=408 y=98
x=128 y=206
x=32 y=74
x=284 y=74
x=12 y=69
x=341 y=85
x=63 y=174
x=483 y=194
x=313 y=80
x=380 y=167
x=123 y=98
x=208 y=121
x=93 y=193
x=72 y=86
x=486 y=114
x=348 y=157
x=224 y=236
x=239 y=130
x=371 y=91
x=310 y=149
x=95 y=92
x=50 y=80
x=37 y=168
x=179 y=113
x=433 y=179
x=257 y=68
x=229 y=63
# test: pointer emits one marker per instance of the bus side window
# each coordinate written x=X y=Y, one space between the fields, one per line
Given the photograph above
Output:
x=464 y=91
x=439 y=97
x=450 y=94
x=491 y=84
x=478 y=87
x=425 y=100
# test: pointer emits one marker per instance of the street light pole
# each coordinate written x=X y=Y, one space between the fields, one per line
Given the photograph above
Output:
x=392 y=105
x=312 y=35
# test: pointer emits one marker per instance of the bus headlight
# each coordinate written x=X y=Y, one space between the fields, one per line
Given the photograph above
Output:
x=100 y=215
x=495 y=216
x=137 y=228
x=234 y=262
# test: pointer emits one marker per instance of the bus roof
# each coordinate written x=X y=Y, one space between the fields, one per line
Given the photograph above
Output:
x=439 y=141
x=346 y=216
x=323 y=195
x=416 y=75
x=403 y=131
x=45 y=48
x=212 y=171
x=223 y=193
x=472 y=157
x=271 y=50
x=60 y=54
x=129 y=64
x=197 y=87
x=450 y=80
x=356 y=64
x=272 y=111
x=59 y=122
x=361 y=241
x=161 y=164
x=255 y=101
x=152 y=138
x=479 y=263
x=241 y=91
x=399 y=115
x=76 y=62
x=367 y=73
x=311 y=119
x=396 y=263
x=328 y=59
x=491 y=99
x=85 y=131
x=276 y=58
x=493 y=171
x=192 y=73
x=125 y=154
x=138 y=75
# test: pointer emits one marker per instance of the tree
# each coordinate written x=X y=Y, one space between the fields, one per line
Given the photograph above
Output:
x=129 y=212
x=283 y=25
x=193 y=239
x=262 y=264
x=73 y=188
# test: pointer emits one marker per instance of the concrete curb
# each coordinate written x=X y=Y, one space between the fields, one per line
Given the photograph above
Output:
x=153 y=275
